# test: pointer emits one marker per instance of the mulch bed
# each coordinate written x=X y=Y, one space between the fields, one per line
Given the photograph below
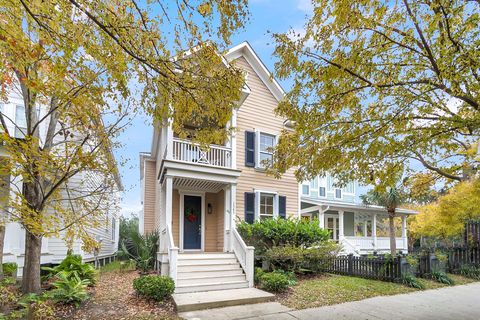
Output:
x=113 y=297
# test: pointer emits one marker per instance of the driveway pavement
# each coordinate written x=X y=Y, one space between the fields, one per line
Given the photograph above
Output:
x=459 y=302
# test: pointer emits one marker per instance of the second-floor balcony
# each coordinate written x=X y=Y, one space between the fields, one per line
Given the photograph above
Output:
x=215 y=155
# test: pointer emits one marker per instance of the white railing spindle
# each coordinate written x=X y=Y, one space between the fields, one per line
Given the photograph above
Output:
x=186 y=151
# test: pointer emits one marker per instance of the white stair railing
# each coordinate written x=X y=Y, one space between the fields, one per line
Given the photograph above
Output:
x=244 y=254
x=172 y=255
x=350 y=247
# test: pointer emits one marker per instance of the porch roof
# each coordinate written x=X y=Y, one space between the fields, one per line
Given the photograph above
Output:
x=323 y=205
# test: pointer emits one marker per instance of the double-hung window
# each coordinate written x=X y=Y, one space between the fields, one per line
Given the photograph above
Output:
x=306 y=189
x=20 y=122
x=267 y=205
x=265 y=150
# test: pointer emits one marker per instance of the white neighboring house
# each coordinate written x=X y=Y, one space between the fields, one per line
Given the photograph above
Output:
x=54 y=249
x=359 y=228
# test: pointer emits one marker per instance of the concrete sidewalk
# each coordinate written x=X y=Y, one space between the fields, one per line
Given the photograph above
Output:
x=459 y=302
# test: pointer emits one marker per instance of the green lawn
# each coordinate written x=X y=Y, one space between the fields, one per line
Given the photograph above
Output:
x=333 y=289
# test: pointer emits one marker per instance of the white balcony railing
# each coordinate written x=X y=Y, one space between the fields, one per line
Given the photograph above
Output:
x=185 y=150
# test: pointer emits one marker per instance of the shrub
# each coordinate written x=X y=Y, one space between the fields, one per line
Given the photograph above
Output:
x=141 y=248
x=154 y=287
x=410 y=281
x=70 y=289
x=442 y=278
x=299 y=259
x=41 y=310
x=275 y=281
x=268 y=233
x=257 y=276
x=10 y=269
x=286 y=258
x=470 y=271
x=73 y=266
x=318 y=257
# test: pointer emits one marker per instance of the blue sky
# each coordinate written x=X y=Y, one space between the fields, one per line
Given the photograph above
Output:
x=265 y=15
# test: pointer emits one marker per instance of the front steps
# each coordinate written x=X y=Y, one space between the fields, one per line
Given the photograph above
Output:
x=193 y=301
x=200 y=272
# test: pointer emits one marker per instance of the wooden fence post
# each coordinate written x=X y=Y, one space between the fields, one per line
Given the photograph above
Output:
x=350 y=264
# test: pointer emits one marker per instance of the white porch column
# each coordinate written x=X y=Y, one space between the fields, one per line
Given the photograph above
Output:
x=374 y=230
x=321 y=218
x=169 y=140
x=340 y=227
x=404 y=232
x=233 y=139
x=168 y=201
x=233 y=211
x=227 y=218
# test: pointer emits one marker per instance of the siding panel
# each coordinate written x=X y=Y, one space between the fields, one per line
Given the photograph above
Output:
x=257 y=113
x=149 y=201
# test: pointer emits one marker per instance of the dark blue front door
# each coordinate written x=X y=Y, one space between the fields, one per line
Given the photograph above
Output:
x=192 y=222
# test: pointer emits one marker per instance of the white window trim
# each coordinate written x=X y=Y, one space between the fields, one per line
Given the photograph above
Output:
x=258 y=132
x=321 y=183
x=335 y=193
x=258 y=194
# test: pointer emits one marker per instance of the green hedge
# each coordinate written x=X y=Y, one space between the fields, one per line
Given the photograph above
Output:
x=154 y=287
x=301 y=259
x=268 y=233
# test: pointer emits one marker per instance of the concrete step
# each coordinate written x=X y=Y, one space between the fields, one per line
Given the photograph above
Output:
x=195 y=256
x=264 y=310
x=209 y=267
x=212 y=286
x=209 y=273
x=221 y=298
x=212 y=278
x=196 y=262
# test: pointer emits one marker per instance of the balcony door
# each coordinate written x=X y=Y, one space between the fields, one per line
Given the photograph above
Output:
x=192 y=216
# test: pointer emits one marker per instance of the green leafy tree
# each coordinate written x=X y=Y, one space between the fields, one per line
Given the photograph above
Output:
x=390 y=199
x=380 y=85
x=127 y=226
x=77 y=60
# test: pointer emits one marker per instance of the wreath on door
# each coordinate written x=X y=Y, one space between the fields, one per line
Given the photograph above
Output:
x=190 y=215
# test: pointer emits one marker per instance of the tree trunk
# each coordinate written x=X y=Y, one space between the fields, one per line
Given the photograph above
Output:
x=393 y=240
x=2 y=242
x=31 y=269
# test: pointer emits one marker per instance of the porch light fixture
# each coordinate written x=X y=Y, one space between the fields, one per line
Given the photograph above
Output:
x=209 y=208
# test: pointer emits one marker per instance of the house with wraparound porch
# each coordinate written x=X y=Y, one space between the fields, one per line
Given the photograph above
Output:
x=359 y=228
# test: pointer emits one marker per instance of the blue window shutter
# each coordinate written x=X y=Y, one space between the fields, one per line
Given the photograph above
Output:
x=249 y=149
x=282 y=207
x=249 y=207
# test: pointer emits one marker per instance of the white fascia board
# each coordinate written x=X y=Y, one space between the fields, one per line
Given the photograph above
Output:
x=354 y=206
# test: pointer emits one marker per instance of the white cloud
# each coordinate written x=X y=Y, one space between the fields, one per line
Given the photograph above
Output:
x=127 y=209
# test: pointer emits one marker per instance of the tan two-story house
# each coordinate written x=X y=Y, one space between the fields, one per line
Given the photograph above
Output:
x=194 y=197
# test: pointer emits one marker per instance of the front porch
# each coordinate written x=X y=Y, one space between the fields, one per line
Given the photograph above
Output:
x=199 y=246
x=358 y=228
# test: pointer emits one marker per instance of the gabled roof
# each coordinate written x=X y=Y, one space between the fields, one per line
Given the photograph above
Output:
x=245 y=50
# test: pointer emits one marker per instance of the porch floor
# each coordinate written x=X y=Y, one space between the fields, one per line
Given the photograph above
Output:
x=220 y=298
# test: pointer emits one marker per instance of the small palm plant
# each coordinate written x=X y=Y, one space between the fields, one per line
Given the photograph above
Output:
x=141 y=248
x=391 y=199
